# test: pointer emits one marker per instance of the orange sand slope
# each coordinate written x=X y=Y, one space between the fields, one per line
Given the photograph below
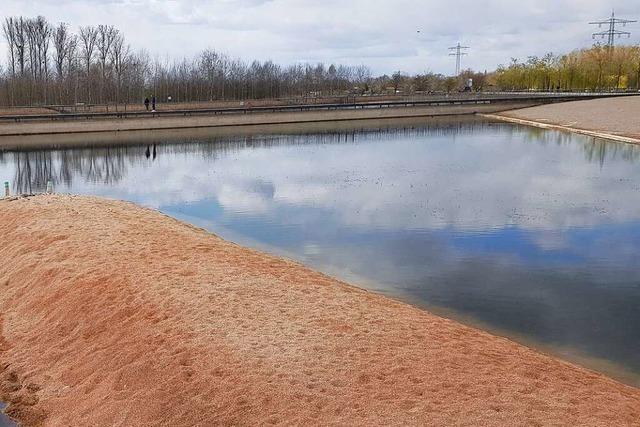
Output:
x=116 y=315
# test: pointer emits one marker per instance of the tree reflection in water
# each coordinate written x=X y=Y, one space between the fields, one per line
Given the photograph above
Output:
x=109 y=165
x=34 y=168
x=595 y=149
x=517 y=227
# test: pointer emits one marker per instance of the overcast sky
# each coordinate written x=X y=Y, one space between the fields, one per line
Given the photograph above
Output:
x=381 y=34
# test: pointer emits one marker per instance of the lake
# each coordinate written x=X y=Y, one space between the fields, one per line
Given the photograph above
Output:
x=5 y=421
x=531 y=234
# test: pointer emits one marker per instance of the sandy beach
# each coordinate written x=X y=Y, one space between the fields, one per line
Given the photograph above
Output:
x=111 y=314
x=611 y=118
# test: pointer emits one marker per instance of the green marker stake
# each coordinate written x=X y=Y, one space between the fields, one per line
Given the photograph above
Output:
x=7 y=193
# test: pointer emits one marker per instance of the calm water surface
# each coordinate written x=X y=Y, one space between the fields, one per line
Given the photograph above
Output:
x=4 y=420
x=532 y=234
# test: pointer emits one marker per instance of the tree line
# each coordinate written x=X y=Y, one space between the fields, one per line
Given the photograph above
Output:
x=51 y=64
x=596 y=68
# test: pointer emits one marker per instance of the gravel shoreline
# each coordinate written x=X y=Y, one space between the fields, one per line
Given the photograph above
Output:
x=111 y=314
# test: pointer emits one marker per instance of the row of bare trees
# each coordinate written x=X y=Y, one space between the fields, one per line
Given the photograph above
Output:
x=213 y=76
x=50 y=64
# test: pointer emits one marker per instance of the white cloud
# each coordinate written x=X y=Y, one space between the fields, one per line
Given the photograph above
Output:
x=381 y=34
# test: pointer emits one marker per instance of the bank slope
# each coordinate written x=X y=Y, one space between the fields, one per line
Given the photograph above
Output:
x=116 y=315
x=617 y=119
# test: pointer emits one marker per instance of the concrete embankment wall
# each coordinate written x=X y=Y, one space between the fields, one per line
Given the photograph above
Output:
x=159 y=136
x=235 y=120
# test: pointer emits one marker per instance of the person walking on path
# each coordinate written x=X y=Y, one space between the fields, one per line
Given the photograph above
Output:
x=153 y=103
x=146 y=103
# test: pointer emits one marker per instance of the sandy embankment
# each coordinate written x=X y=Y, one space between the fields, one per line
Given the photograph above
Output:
x=116 y=315
x=612 y=118
x=234 y=120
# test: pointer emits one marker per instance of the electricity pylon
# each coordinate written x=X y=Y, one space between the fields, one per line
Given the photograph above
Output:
x=612 y=32
x=459 y=53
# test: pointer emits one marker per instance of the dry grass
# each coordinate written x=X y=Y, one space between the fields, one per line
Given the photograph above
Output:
x=116 y=315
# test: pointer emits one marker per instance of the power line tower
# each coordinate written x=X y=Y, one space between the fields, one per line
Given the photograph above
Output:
x=612 y=32
x=458 y=52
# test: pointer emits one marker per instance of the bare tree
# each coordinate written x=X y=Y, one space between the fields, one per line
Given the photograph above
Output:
x=72 y=68
x=30 y=31
x=64 y=58
x=8 y=28
x=61 y=45
x=38 y=35
x=88 y=36
x=44 y=32
x=20 y=42
x=120 y=57
x=105 y=39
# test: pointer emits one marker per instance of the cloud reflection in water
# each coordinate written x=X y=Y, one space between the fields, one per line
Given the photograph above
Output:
x=532 y=232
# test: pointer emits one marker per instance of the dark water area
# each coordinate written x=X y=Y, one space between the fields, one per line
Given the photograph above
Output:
x=532 y=234
x=4 y=420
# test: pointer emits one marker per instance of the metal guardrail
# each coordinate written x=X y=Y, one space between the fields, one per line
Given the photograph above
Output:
x=456 y=99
